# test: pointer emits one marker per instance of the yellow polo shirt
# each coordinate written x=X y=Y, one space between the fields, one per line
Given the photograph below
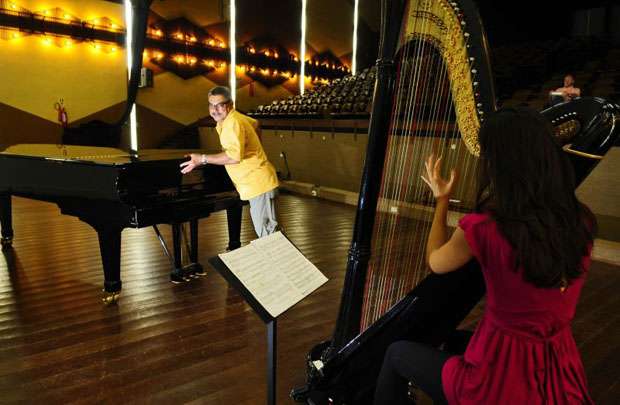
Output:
x=253 y=175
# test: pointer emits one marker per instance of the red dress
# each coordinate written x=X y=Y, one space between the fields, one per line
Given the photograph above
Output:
x=522 y=351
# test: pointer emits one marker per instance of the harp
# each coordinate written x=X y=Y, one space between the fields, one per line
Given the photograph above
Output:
x=433 y=89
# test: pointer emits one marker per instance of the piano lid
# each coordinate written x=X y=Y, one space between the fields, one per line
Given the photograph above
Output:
x=49 y=171
x=92 y=154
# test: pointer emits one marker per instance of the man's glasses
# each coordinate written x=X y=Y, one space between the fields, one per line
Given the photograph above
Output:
x=218 y=106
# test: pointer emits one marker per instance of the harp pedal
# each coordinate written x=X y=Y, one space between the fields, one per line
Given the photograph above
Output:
x=318 y=365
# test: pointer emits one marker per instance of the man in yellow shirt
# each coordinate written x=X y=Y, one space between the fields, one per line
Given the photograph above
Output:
x=244 y=158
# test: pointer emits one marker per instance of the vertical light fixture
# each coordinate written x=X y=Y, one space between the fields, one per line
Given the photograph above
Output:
x=133 y=123
x=233 y=51
x=302 y=49
x=355 y=17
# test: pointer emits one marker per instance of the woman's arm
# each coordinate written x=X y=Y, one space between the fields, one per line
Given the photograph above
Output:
x=442 y=254
x=451 y=255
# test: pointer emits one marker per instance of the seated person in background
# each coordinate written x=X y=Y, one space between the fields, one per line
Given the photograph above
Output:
x=567 y=92
x=532 y=238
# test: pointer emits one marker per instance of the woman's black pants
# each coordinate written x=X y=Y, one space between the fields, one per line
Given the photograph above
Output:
x=413 y=362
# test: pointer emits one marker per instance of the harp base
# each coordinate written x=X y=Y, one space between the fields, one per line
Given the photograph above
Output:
x=429 y=314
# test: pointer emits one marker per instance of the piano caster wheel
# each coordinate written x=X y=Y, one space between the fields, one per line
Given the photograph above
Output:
x=6 y=243
x=110 y=298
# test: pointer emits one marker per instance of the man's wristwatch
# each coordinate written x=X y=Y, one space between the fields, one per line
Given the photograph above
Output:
x=203 y=160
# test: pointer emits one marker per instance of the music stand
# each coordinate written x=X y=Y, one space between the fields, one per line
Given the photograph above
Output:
x=277 y=259
x=270 y=321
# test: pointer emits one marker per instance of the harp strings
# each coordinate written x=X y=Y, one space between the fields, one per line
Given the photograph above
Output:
x=422 y=123
x=379 y=284
x=407 y=93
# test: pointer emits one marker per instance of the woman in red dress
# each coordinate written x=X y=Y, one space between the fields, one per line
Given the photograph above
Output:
x=532 y=238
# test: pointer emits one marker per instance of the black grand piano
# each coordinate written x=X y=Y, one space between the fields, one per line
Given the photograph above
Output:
x=110 y=190
x=87 y=176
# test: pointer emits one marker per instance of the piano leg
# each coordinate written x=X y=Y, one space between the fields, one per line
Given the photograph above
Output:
x=234 y=226
x=110 y=246
x=193 y=268
x=197 y=269
x=6 y=220
x=179 y=274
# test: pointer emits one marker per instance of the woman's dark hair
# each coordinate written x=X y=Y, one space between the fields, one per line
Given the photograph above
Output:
x=527 y=184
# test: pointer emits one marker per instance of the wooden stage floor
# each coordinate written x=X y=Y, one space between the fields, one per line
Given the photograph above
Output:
x=196 y=342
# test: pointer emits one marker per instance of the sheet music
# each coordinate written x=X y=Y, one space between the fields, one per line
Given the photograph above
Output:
x=274 y=271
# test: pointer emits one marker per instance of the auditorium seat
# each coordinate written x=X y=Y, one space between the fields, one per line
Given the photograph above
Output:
x=360 y=107
x=524 y=75
x=350 y=95
x=324 y=109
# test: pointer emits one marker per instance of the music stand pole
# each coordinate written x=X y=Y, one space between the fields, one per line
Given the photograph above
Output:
x=272 y=359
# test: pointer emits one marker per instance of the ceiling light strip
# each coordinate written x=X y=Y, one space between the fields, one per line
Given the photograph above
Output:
x=355 y=18
x=133 y=122
x=233 y=50
x=302 y=49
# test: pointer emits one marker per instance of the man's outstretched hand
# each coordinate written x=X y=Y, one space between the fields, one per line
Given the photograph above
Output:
x=195 y=160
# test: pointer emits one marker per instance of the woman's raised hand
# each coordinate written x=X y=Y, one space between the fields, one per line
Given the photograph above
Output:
x=440 y=187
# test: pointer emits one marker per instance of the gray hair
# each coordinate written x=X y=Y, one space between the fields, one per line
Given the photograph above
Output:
x=221 y=91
